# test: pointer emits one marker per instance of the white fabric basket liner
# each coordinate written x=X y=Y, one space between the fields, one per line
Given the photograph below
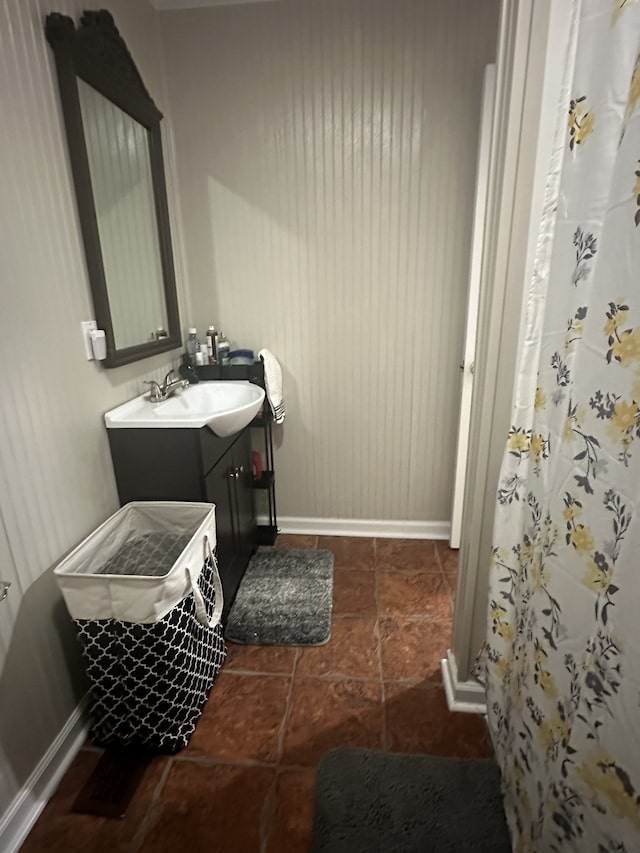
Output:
x=89 y=594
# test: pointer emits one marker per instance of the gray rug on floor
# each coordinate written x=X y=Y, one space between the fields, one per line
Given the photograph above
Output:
x=285 y=599
x=382 y=801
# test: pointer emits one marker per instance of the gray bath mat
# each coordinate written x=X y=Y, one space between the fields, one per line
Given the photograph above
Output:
x=381 y=801
x=284 y=599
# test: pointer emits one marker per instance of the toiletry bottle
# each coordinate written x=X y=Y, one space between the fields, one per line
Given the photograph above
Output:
x=193 y=345
x=212 y=352
x=223 y=349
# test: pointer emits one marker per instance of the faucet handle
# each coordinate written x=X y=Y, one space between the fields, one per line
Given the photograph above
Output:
x=156 y=393
x=170 y=377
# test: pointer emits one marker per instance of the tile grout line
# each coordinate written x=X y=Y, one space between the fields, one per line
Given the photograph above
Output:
x=267 y=814
x=385 y=734
x=405 y=570
x=216 y=760
x=445 y=580
x=446 y=588
x=269 y=809
x=230 y=670
x=149 y=820
x=326 y=676
x=287 y=711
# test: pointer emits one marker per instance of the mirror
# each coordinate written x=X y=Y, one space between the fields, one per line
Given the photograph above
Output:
x=115 y=149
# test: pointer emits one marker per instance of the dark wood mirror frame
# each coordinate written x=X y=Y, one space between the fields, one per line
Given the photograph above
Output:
x=96 y=53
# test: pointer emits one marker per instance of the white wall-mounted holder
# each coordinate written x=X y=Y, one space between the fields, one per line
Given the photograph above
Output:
x=98 y=344
x=95 y=342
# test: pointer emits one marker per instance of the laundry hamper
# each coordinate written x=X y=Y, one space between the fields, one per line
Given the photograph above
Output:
x=146 y=596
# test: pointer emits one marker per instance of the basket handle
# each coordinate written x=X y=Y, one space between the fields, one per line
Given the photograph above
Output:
x=198 y=600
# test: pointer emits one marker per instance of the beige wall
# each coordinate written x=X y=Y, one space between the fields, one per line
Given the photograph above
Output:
x=56 y=480
x=326 y=155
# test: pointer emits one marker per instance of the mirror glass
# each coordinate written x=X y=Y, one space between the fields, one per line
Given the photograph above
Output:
x=120 y=168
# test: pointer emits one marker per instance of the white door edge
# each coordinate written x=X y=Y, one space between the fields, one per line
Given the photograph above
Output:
x=473 y=301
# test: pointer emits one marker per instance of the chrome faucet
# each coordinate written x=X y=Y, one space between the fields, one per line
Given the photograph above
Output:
x=161 y=391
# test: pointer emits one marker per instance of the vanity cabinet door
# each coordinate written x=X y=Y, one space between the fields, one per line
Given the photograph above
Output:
x=245 y=523
x=219 y=490
x=228 y=486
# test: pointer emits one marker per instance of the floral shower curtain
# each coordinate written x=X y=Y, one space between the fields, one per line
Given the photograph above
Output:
x=562 y=660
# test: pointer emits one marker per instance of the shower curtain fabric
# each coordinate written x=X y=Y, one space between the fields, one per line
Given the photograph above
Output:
x=561 y=664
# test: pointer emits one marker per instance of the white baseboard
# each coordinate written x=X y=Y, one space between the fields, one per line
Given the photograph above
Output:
x=18 y=820
x=466 y=696
x=363 y=527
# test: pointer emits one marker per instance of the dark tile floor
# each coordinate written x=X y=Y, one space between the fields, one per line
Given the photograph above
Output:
x=245 y=783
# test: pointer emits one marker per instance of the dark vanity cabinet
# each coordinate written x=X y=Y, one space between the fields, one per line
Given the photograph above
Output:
x=194 y=465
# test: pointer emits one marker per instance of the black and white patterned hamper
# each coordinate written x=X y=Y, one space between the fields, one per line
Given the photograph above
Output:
x=145 y=593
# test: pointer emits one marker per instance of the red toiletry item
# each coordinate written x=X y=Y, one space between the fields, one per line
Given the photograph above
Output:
x=257 y=465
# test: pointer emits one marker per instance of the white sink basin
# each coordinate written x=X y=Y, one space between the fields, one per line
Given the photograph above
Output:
x=224 y=407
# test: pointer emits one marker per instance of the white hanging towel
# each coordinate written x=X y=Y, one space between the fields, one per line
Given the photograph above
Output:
x=273 y=384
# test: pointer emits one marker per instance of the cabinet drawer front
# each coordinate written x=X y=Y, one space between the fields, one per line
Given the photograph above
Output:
x=156 y=464
x=213 y=448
